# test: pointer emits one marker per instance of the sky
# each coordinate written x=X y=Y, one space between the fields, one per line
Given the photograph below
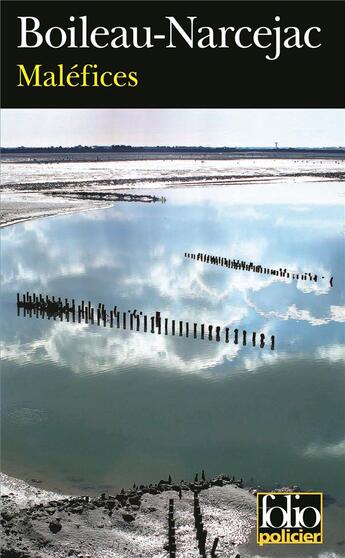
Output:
x=207 y=127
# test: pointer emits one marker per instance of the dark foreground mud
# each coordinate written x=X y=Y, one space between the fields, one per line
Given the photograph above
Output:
x=133 y=523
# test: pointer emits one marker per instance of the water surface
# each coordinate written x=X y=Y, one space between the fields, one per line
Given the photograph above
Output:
x=86 y=408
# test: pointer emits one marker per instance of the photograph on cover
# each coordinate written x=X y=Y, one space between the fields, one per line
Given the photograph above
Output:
x=172 y=329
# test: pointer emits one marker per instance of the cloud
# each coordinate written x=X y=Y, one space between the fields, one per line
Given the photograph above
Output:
x=158 y=251
x=336 y=314
x=251 y=250
x=88 y=352
x=334 y=353
x=329 y=450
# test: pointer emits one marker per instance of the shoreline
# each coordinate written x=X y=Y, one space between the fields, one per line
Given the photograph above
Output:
x=20 y=207
x=41 y=524
x=52 y=213
x=48 y=205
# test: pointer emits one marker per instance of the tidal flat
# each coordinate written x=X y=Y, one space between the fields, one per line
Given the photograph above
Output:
x=45 y=184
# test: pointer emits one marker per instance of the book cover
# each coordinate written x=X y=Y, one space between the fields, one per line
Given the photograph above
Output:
x=172 y=279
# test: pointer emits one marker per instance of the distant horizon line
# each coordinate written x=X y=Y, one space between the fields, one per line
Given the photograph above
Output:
x=124 y=147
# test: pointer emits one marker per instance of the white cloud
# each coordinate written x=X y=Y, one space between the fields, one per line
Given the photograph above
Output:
x=92 y=352
x=336 y=314
x=333 y=353
x=330 y=450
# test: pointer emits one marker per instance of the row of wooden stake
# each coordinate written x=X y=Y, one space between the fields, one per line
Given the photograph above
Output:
x=244 y=266
x=57 y=308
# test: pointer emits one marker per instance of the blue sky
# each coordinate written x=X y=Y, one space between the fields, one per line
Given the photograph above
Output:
x=209 y=127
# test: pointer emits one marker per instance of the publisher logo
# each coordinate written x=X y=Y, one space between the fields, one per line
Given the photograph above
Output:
x=289 y=518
